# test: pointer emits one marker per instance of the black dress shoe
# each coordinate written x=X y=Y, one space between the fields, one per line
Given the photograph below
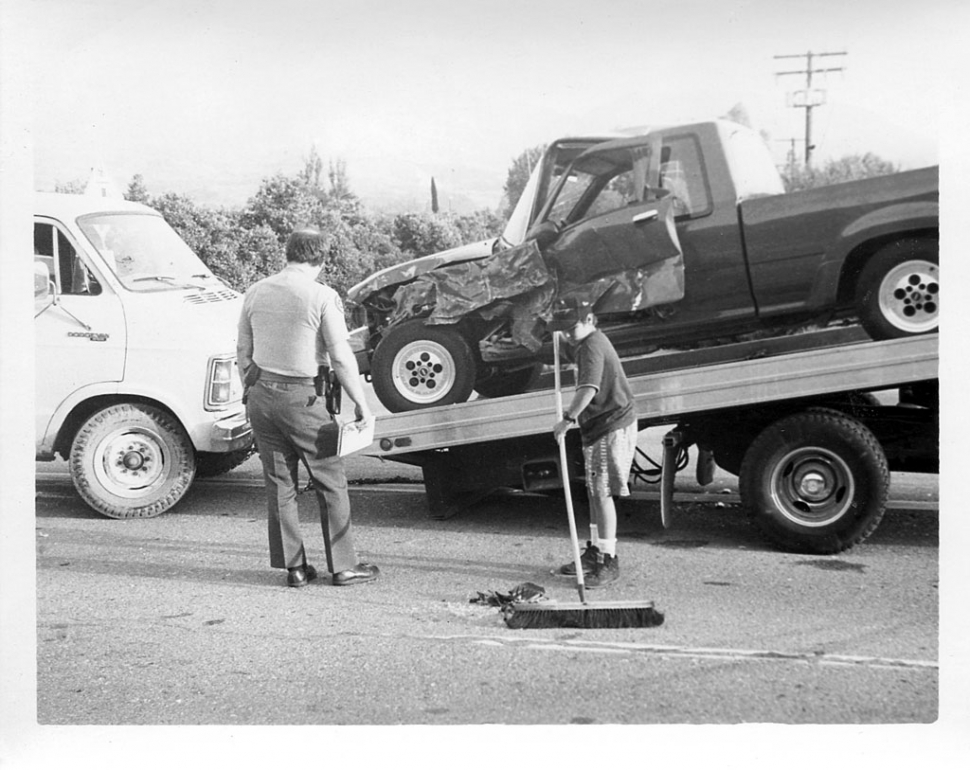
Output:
x=300 y=576
x=362 y=573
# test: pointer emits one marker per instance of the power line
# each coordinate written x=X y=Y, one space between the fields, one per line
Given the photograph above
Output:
x=811 y=98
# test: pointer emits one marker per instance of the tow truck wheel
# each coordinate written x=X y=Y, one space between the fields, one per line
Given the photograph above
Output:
x=417 y=366
x=899 y=290
x=815 y=482
x=132 y=461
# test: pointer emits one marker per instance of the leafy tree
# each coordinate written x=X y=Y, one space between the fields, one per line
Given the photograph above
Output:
x=418 y=235
x=845 y=169
x=312 y=168
x=282 y=204
x=518 y=175
x=340 y=184
x=479 y=225
x=136 y=190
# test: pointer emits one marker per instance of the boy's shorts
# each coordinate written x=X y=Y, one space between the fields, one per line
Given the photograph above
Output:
x=608 y=463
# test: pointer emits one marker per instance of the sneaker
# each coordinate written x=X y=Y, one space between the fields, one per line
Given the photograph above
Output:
x=605 y=572
x=587 y=558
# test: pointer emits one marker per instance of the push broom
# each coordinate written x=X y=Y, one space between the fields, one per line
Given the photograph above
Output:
x=581 y=614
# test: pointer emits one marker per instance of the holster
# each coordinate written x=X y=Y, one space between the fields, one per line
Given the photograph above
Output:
x=327 y=385
x=250 y=378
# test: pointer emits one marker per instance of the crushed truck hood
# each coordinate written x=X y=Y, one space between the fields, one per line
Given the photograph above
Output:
x=407 y=271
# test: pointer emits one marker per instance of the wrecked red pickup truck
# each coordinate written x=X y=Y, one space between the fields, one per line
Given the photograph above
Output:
x=679 y=236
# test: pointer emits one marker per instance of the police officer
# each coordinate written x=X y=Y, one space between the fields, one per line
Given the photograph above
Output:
x=289 y=326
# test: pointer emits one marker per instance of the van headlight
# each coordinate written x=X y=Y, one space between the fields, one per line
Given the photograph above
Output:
x=223 y=384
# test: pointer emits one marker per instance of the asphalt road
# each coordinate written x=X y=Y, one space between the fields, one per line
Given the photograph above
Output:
x=178 y=620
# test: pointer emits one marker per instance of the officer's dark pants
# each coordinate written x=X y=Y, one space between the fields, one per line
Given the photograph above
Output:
x=287 y=420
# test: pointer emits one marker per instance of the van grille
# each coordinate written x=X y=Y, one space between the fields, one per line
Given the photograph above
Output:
x=204 y=297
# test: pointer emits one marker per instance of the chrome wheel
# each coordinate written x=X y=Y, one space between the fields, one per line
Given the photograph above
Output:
x=909 y=296
x=422 y=371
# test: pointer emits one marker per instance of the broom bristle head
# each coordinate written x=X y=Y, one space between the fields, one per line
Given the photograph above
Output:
x=553 y=615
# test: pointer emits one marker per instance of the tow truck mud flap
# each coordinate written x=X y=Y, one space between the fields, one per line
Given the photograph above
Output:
x=668 y=471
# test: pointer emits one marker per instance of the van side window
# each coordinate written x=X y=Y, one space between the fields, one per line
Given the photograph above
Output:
x=69 y=272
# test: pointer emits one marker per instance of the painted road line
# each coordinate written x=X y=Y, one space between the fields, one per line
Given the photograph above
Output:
x=683 y=651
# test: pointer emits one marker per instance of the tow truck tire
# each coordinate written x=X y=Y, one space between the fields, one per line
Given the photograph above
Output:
x=815 y=482
x=132 y=461
x=417 y=366
x=898 y=293
x=509 y=383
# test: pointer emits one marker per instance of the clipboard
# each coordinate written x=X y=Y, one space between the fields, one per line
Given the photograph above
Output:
x=345 y=438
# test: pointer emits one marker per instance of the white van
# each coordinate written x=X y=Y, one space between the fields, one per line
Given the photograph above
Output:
x=137 y=385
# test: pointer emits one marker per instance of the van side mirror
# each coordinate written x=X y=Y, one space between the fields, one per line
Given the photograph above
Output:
x=42 y=283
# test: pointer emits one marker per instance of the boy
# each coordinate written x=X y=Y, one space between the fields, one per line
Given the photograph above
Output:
x=603 y=407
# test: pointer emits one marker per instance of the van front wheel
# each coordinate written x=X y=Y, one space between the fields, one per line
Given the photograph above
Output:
x=132 y=461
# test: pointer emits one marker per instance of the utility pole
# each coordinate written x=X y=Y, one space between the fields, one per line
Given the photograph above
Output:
x=810 y=98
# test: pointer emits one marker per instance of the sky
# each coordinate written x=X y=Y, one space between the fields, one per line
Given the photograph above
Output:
x=209 y=98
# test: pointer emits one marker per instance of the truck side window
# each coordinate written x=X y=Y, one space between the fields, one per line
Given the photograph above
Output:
x=682 y=173
x=70 y=274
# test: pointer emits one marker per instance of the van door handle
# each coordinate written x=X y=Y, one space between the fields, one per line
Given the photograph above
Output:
x=645 y=216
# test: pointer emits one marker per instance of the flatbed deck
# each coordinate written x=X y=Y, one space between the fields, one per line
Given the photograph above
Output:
x=674 y=385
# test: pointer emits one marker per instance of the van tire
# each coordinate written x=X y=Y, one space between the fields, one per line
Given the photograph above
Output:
x=132 y=461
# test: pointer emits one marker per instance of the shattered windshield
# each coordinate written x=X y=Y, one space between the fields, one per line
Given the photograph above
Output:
x=144 y=252
x=544 y=178
x=600 y=182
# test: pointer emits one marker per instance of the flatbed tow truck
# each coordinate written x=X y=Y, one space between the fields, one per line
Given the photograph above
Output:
x=793 y=417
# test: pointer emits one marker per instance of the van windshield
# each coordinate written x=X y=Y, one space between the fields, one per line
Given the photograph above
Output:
x=144 y=252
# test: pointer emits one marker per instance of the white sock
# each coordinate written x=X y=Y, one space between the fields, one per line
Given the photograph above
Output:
x=594 y=535
x=607 y=547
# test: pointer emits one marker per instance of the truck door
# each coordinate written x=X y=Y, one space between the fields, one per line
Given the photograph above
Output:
x=80 y=335
x=716 y=278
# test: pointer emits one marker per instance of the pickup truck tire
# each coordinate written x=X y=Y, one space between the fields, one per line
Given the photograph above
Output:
x=416 y=366
x=898 y=294
x=132 y=461
x=510 y=383
x=815 y=482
